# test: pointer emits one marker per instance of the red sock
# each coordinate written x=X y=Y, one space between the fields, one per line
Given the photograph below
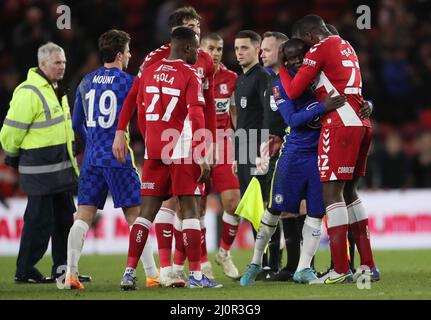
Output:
x=204 y=253
x=180 y=251
x=164 y=229
x=192 y=243
x=337 y=220
x=338 y=244
x=362 y=240
x=137 y=239
x=229 y=230
x=359 y=224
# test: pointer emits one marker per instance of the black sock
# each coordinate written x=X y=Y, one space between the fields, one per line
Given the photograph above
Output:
x=292 y=238
x=274 y=250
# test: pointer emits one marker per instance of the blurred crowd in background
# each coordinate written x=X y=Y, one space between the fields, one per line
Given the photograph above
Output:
x=395 y=61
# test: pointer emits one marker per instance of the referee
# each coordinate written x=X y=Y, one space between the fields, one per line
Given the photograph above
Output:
x=251 y=95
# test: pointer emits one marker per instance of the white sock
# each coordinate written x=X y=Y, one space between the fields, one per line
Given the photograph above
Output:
x=356 y=211
x=164 y=272
x=196 y=274
x=147 y=259
x=311 y=233
x=75 y=242
x=177 y=267
x=266 y=230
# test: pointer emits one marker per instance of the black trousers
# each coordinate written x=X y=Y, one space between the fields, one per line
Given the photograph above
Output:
x=47 y=216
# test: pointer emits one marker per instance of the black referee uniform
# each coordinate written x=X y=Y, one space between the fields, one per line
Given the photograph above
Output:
x=250 y=99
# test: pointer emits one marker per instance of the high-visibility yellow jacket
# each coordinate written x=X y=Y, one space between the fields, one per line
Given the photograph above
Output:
x=38 y=130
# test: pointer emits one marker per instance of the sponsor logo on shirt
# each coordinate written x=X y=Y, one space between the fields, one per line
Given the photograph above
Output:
x=309 y=62
x=346 y=52
x=346 y=169
x=272 y=104
x=222 y=105
x=148 y=185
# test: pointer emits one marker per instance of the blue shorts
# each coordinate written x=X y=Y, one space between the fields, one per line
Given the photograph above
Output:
x=123 y=183
x=297 y=177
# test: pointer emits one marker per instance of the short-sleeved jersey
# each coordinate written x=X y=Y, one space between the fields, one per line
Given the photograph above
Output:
x=224 y=88
x=100 y=96
x=334 y=65
x=167 y=89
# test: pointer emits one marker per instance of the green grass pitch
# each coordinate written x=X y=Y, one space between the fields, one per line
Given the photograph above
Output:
x=405 y=275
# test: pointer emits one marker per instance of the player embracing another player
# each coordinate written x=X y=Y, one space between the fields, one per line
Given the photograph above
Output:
x=343 y=145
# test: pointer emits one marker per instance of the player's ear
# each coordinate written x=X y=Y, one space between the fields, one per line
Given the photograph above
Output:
x=118 y=56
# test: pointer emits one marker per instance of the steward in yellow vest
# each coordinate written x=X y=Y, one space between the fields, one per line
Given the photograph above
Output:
x=37 y=133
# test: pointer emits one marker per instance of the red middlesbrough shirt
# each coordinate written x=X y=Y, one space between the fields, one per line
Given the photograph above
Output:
x=224 y=88
x=333 y=65
x=168 y=90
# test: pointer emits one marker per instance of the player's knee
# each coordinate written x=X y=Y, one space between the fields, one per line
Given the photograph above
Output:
x=350 y=195
x=333 y=192
x=230 y=201
x=231 y=204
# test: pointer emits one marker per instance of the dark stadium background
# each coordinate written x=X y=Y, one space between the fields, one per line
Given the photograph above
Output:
x=395 y=59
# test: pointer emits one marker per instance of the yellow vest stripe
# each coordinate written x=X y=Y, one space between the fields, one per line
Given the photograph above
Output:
x=41 y=97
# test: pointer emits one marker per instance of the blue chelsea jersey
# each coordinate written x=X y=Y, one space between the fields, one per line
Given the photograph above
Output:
x=98 y=103
x=303 y=116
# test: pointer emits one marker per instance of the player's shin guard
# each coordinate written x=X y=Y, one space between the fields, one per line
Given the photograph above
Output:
x=192 y=243
x=230 y=225
x=180 y=251
x=204 y=253
x=337 y=220
x=358 y=219
x=266 y=229
x=164 y=230
x=311 y=233
x=75 y=242
x=138 y=238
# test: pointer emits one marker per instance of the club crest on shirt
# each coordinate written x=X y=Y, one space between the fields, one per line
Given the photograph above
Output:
x=201 y=72
x=276 y=92
x=223 y=89
x=243 y=102
x=278 y=199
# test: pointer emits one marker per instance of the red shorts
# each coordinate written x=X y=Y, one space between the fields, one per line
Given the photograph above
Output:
x=222 y=177
x=159 y=179
x=343 y=152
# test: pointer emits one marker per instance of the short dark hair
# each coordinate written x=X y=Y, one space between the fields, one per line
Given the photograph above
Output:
x=332 y=29
x=183 y=35
x=279 y=36
x=249 y=34
x=307 y=24
x=296 y=43
x=177 y=17
x=212 y=36
x=112 y=42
